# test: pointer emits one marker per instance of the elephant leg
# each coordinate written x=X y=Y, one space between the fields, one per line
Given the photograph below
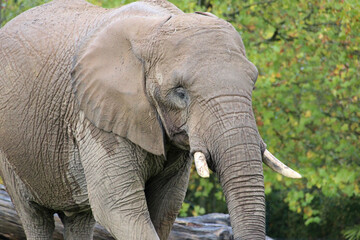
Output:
x=78 y=226
x=165 y=193
x=116 y=186
x=37 y=221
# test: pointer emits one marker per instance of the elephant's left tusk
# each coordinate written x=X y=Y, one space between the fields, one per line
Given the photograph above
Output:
x=276 y=165
x=201 y=165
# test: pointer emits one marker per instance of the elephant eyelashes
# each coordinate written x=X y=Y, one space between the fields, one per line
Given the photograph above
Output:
x=181 y=93
x=179 y=97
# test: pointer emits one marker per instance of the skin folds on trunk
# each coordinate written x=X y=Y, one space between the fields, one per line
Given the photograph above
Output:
x=239 y=168
x=233 y=145
x=243 y=185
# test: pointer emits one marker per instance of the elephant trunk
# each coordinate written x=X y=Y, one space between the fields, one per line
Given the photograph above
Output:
x=241 y=175
x=232 y=146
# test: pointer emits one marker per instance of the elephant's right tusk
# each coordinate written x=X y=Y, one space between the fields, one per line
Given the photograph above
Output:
x=201 y=165
x=275 y=164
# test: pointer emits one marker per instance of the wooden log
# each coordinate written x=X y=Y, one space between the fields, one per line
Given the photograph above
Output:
x=211 y=226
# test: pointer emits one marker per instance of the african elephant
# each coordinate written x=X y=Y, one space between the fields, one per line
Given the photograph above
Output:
x=102 y=112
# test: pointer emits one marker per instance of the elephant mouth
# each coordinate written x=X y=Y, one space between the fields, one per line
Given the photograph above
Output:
x=181 y=140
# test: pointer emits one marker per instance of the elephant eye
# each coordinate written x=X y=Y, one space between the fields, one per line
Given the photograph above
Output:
x=179 y=97
x=180 y=92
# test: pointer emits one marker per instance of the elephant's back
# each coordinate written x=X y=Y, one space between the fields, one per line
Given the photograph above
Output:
x=48 y=33
x=38 y=46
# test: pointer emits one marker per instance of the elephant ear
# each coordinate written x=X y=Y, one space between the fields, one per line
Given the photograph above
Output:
x=109 y=82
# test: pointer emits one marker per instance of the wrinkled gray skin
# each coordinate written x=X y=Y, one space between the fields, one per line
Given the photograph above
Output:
x=99 y=110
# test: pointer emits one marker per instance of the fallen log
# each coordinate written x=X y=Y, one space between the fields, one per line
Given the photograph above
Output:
x=210 y=226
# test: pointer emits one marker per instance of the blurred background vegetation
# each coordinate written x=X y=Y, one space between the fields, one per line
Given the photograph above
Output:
x=307 y=107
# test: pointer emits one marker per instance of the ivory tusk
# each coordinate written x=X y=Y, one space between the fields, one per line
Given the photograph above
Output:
x=275 y=164
x=201 y=165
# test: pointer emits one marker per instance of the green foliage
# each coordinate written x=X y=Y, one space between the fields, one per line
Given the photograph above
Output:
x=352 y=233
x=307 y=107
x=336 y=214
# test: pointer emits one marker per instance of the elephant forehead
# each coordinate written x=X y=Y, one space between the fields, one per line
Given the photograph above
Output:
x=200 y=47
x=225 y=65
x=192 y=20
x=198 y=31
x=202 y=38
x=201 y=43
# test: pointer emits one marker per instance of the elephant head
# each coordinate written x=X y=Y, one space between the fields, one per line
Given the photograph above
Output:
x=181 y=80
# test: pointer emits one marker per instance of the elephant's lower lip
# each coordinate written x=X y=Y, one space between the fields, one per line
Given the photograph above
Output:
x=181 y=140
